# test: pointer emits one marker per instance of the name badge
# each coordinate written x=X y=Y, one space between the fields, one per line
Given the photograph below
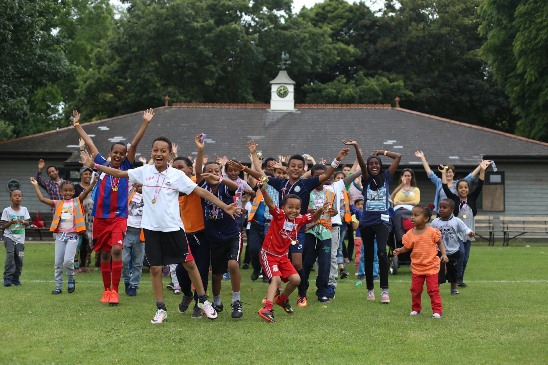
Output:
x=385 y=217
x=288 y=226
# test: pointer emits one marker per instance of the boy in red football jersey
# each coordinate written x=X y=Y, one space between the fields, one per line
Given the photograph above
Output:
x=282 y=233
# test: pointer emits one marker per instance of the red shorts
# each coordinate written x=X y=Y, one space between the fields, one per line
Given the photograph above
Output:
x=108 y=232
x=276 y=266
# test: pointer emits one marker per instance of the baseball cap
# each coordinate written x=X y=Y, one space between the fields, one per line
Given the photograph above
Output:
x=85 y=168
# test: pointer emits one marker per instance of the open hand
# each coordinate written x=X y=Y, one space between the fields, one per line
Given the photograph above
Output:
x=419 y=154
x=148 y=115
x=231 y=210
x=75 y=118
x=252 y=146
x=235 y=164
x=349 y=142
x=33 y=181
x=41 y=164
x=86 y=158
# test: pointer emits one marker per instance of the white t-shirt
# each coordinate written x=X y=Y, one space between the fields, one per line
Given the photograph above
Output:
x=15 y=232
x=66 y=223
x=135 y=210
x=160 y=195
x=337 y=187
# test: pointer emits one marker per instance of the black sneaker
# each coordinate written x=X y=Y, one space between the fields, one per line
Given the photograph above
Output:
x=71 y=287
x=218 y=308
x=245 y=266
x=170 y=286
x=343 y=273
x=237 y=309
x=127 y=287
x=132 y=291
x=185 y=303
x=56 y=291
x=197 y=312
x=285 y=305
x=254 y=275
x=462 y=284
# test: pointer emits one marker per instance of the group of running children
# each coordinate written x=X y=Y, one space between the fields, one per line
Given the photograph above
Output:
x=190 y=218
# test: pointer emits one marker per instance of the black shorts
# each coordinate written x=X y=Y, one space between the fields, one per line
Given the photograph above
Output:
x=450 y=267
x=222 y=252
x=166 y=248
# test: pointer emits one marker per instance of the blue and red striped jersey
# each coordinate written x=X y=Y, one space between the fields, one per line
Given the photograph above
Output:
x=110 y=195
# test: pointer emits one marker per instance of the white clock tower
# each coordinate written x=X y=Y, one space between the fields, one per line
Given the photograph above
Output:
x=282 y=89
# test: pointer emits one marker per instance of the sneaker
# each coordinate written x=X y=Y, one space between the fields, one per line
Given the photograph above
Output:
x=160 y=317
x=370 y=295
x=436 y=315
x=285 y=305
x=71 y=287
x=197 y=313
x=267 y=315
x=114 y=299
x=106 y=296
x=462 y=284
x=7 y=282
x=254 y=275
x=301 y=301
x=56 y=291
x=170 y=286
x=218 y=308
x=132 y=291
x=385 y=298
x=330 y=292
x=237 y=309
x=16 y=282
x=177 y=291
x=127 y=287
x=324 y=299
x=185 y=303
x=454 y=292
x=414 y=313
x=343 y=273
x=208 y=309
x=245 y=266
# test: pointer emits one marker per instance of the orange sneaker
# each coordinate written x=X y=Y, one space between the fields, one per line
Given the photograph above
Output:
x=285 y=305
x=267 y=315
x=114 y=299
x=106 y=296
x=301 y=301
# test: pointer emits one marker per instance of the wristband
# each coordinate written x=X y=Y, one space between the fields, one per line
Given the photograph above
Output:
x=385 y=151
x=95 y=166
x=335 y=163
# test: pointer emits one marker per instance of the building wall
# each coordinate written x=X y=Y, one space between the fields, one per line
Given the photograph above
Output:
x=22 y=170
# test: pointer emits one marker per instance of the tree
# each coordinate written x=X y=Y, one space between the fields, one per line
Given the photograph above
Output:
x=516 y=49
x=31 y=61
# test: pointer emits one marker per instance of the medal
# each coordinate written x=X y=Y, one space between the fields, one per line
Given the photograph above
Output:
x=464 y=216
x=294 y=242
x=153 y=201
x=114 y=188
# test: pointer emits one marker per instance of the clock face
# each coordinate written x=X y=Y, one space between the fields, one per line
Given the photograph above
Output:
x=282 y=91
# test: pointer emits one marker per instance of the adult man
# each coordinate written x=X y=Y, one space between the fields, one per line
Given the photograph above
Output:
x=51 y=186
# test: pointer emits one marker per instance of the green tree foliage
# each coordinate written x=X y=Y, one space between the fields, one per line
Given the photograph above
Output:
x=516 y=48
x=31 y=61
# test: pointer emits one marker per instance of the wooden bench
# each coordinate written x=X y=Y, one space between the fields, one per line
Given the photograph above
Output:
x=485 y=228
x=513 y=227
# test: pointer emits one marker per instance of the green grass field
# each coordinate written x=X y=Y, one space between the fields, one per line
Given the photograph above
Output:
x=501 y=318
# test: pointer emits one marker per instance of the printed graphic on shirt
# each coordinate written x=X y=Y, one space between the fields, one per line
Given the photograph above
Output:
x=376 y=200
x=17 y=228
x=136 y=206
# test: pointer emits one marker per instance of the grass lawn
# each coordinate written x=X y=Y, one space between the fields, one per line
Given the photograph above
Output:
x=501 y=318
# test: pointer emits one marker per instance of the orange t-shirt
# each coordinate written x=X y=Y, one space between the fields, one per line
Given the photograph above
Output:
x=190 y=208
x=424 y=259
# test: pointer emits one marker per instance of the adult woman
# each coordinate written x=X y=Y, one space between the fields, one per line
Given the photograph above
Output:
x=450 y=175
x=404 y=198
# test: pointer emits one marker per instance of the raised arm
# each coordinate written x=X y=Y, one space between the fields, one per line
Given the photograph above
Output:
x=267 y=199
x=359 y=157
x=87 y=160
x=147 y=117
x=198 y=166
x=82 y=133
x=255 y=174
x=34 y=183
x=425 y=165
x=252 y=146
x=331 y=168
x=41 y=182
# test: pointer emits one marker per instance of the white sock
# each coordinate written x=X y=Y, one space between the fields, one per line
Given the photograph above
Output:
x=235 y=296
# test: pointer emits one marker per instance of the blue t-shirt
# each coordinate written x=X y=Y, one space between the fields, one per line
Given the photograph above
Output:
x=302 y=188
x=219 y=226
x=376 y=206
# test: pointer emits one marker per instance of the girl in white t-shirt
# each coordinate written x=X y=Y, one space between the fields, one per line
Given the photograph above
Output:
x=67 y=224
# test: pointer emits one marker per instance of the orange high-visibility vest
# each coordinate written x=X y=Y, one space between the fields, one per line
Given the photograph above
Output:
x=255 y=205
x=78 y=214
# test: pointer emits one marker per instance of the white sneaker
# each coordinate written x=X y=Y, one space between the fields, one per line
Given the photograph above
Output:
x=414 y=313
x=436 y=315
x=160 y=317
x=371 y=295
x=385 y=298
x=177 y=290
x=208 y=309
